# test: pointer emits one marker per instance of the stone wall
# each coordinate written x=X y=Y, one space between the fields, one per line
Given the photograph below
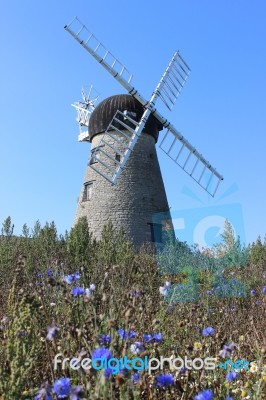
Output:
x=132 y=202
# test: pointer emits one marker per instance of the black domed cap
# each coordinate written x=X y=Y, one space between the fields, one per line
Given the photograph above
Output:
x=104 y=112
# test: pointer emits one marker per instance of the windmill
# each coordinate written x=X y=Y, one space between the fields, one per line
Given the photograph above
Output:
x=123 y=181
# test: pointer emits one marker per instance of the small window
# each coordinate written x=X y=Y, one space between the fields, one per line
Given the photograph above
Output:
x=156 y=232
x=87 y=193
x=117 y=157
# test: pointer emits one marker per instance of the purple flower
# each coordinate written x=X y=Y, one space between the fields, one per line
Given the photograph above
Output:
x=252 y=292
x=101 y=352
x=227 y=350
x=76 y=392
x=264 y=289
x=52 y=332
x=164 y=380
x=209 y=292
x=208 y=331
x=45 y=393
x=72 y=277
x=232 y=375
x=50 y=272
x=229 y=398
x=105 y=340
x=204 y=395
x=77 y=291
x=165 y=289
x=135 y=378
x=62 y=387
x=137 y=348
x=108 y=372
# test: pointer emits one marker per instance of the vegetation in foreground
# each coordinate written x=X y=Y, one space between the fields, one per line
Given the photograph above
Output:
x=86 y=299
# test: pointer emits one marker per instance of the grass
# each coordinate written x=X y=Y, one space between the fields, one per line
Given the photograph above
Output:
x=41 y=317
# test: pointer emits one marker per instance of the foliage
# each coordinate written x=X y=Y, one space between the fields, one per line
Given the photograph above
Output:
x=122 y=291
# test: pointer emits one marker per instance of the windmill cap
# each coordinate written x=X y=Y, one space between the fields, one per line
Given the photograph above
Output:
x=104 y=112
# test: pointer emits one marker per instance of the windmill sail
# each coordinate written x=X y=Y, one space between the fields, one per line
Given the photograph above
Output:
x=168 y=90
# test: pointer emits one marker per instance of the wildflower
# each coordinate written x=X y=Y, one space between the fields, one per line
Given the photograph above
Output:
x=72 y=277
x=108 y=372
x=77 y=291
x=229 y=398
x=209 y=292
x=137 y=348
x=232 y=375
x=227 y=350
x=50 y=272
x=62 y=387
x=252 y=292
x=147 y=337
x=164 y=380
x=44 y=393
x=157 y=337
x=101 y=352
x=208 y=331
x=126 y=335
x=136 y=293
x=264 y=289
x=76 y=392
x=135 y=378
x=165 y=288
x=92 y=287
x=52 y=332
x=204 y=395
x=105 y=340
x=197 y=346
x=253 y=367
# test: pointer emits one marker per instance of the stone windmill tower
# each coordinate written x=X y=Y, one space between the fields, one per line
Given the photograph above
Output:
x=123 y=181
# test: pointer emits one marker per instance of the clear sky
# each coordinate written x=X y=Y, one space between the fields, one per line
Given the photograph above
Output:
x=221 y=111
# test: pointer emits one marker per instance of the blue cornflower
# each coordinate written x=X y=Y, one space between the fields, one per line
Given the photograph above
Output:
x=105 y=340
x=158 y=337
x=204 y=395
x=101 y=352
x=147 y=337
x=50 y=272
x=126 y=335
x=135 y=378
x=208 y=331
x=164 y=380
x=209 y=292
x=39 y=275
x=72 y=277
x=264 y=289
x=252 y=292
x=52 y=332
x=62 y=387
x=78 y=291
x=108 y=372
x=232 y=375
x=229 y=398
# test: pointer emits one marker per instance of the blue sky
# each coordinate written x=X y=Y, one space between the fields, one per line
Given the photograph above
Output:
x=221 y=111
